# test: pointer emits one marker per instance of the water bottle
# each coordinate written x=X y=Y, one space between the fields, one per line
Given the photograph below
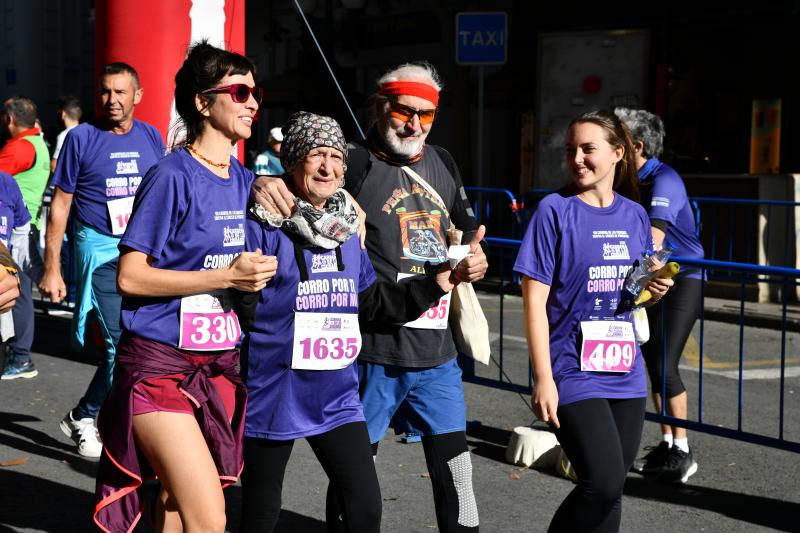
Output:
x=641 y=274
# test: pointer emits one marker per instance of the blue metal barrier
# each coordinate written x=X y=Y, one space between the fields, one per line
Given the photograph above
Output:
x=727 y=227
x=486 y=200
x=502 y=249
x=729 y=234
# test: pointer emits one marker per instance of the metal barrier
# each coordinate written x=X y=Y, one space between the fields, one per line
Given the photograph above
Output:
x=746 y=231
x=487 y=200
x=787 y=278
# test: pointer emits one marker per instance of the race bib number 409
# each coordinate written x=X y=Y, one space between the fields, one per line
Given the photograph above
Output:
x=204 y=326
x=607 y=346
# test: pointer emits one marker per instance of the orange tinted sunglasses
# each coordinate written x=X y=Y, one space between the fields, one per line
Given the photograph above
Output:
x=406 y=113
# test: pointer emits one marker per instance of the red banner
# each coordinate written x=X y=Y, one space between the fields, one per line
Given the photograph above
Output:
x=153 y=35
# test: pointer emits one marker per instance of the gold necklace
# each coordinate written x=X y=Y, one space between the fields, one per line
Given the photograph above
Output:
x=206 y=160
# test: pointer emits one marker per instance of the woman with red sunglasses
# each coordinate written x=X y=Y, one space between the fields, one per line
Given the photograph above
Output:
x=176 y=408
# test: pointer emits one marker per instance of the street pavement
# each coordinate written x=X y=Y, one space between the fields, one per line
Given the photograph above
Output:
x=739 y=486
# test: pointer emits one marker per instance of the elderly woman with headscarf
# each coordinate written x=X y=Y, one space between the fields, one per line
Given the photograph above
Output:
x=303 y=333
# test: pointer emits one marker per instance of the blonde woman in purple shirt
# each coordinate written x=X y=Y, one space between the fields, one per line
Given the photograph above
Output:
x=589 y=378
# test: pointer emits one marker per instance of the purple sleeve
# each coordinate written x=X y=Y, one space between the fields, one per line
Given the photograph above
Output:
x=536 y=258
x=158 y=142
x=669 y=197
x=21 y=214
x=366 y=276
x=69 y=163
x=158 y=209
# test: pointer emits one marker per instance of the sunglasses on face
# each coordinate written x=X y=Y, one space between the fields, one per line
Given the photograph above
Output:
x=239 y=92
x=406 y=113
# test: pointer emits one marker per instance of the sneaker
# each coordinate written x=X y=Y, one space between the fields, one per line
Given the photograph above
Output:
x=25 y=370
x=83 y=433
x=679 y=467
x=653 y=461
x=89 y=444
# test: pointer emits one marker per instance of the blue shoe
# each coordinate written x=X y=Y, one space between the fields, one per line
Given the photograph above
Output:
x=25 y=370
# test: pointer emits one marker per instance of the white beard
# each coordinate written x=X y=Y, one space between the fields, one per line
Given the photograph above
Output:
x=403 y=146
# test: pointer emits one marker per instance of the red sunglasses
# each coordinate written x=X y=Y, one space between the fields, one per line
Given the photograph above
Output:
x=239 y=92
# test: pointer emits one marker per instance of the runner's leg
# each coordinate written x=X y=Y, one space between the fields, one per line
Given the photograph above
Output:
x=187 y=472
x=346 y=456
x=601 y=438
x=262 y=483
x=450 y=468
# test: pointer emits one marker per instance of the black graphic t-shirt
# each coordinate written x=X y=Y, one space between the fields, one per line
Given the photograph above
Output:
x=406 y=236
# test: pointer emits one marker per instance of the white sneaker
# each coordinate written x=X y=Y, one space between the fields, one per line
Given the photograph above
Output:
x=89 y=444
x=83 y=433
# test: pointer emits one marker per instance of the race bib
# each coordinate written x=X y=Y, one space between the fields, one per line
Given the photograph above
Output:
x=435 y=317
x=119 y=212
x=204 y=326
x=608 y=346
x=325 y=341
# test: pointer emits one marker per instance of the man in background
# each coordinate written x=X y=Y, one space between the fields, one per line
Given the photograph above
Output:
x=69 y=113
x=268 y=162
x=26 y=157
x=98 y=171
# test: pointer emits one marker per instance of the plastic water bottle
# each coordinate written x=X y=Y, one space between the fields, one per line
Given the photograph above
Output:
x=641 y=274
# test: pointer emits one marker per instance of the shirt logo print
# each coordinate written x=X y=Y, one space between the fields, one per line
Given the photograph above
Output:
x=233 y=235
x=612 y=251
x=127 y=167
x=323 y=263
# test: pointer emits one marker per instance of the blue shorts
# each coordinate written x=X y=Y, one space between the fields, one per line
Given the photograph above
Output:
x=417 y=401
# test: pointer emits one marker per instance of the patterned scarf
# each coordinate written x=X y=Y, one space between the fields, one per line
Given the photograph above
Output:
x=326 y=228
x=378 y=147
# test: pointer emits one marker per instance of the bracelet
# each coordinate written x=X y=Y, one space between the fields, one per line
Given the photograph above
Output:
x=14 y=272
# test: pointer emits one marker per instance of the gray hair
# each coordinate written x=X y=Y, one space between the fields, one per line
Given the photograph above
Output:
x=421 y=71
x=644 y=127
x=417 y=71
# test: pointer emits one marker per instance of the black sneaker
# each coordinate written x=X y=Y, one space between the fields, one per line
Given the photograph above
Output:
x=652 y=462
x=680 y=466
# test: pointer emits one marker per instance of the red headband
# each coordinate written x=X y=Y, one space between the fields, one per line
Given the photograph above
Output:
x=410 y=88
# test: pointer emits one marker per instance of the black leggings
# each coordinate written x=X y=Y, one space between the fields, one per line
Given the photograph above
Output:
x=450 y=468
x=601 y=438
x=673 y=320
x=346 y=456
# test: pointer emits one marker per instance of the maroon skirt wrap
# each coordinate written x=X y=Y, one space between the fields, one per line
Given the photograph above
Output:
x=122 y=467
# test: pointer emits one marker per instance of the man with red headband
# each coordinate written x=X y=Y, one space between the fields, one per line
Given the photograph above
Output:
x=412 y=194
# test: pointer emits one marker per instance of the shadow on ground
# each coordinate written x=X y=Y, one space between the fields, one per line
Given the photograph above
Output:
x=59 y=509
x=758 y=510
x=30 y=441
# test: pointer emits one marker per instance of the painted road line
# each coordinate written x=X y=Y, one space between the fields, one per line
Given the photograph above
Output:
x=750 y=373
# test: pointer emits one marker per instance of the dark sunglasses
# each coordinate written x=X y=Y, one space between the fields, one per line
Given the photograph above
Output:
x=239 y=92
x=406 y=113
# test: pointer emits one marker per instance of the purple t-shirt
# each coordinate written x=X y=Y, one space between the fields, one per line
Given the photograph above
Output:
x=13 y=213
x=583 y=253
x=186 y=218
x=285 y=403
x=664 y=196
x=98 y=167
